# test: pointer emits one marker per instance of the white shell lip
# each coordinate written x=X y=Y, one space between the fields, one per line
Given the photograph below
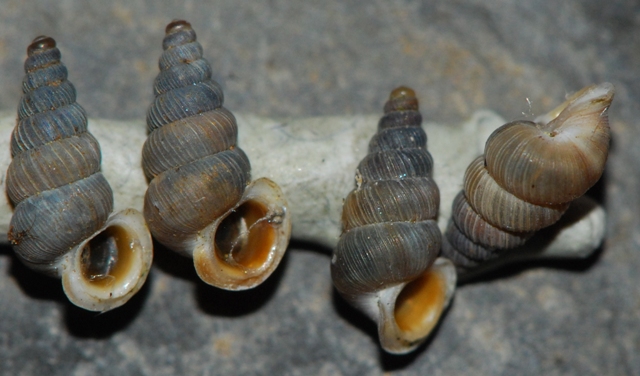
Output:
x=603 y=92
x=101 y=297
x=218 y=272
x=381 y=307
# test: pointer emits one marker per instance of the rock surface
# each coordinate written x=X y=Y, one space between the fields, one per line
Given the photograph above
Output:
x=290 y=59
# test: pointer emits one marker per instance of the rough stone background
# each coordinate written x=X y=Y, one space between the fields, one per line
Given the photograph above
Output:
x=290 y=58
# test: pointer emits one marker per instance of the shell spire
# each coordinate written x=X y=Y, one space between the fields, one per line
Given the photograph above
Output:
x=62 y=223
x=201 y=201
x=386 y=262
x=529 y=174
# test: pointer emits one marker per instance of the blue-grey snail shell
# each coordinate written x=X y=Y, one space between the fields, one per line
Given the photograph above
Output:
x=201 y=201
x=386 y=261
x=529 y=174
x=62 y=223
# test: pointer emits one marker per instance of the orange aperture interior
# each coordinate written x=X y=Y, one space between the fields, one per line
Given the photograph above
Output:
x=420 y=303
x=246 y=237
x=107 y=258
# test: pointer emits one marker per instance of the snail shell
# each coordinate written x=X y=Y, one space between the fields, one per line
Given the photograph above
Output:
x=200 y=201
x=528 y=175
x=385 y=261
x=62 y=223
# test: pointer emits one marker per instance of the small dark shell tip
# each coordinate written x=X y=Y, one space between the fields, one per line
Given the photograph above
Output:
x=40 y=44
x=401 y=99
x=176 y=26
x=402 y=92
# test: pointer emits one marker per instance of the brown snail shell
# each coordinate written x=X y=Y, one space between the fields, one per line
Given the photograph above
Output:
x=386 y=262
x=201 y=201
x=62 y=223
x=528 y=175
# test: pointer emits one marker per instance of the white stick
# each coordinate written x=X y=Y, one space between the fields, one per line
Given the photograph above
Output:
x=314 y=162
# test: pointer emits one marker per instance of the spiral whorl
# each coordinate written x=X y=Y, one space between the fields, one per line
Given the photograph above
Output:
x=528 y=176
x=195 y=169
x=60 y=196
x=389 y=229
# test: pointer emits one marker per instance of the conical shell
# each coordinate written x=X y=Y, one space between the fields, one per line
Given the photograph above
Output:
x=384 y=261
x=528 y=176
x=200 y=201
x=62 y=201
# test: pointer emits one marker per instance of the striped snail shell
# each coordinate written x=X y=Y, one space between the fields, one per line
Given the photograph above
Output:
x=385 y=261
x=62 y=223
x=200 y=201
x=529 y=174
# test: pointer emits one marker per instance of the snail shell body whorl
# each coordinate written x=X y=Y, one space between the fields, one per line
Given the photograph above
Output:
x=200 y=201
x=61 y=224
x=385 y=261
x=528 y=175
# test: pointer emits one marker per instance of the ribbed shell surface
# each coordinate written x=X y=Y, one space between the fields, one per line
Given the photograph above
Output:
x=389 y=231
x=54 y=179
x=548 y=167
x=528 y=175
x=195 y=170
